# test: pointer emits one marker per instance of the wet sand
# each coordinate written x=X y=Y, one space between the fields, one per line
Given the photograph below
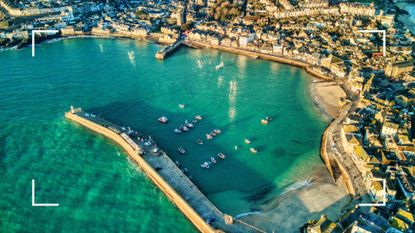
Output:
x=327 y=95
x=291 y=210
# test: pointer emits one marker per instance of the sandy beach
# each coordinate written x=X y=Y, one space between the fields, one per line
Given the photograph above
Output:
x=296 y=207
x=328 y=96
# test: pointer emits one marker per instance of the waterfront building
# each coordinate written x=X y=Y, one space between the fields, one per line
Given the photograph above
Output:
x=394 y=69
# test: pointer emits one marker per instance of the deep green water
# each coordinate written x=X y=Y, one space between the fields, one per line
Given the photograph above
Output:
x=97 y=187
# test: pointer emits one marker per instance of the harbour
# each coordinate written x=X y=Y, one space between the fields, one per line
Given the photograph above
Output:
x=165 y=174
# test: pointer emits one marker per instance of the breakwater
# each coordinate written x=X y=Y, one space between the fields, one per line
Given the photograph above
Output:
x=165 y=174
x=162 y=54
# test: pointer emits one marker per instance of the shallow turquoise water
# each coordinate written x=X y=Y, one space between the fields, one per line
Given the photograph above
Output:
x=97 y=187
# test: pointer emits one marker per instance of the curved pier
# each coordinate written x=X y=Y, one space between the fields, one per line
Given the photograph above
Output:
x=165 y=174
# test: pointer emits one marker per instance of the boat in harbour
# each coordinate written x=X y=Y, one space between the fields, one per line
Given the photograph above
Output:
x=199 y=141
x=184 y=128
x=198 y=117
x=208 y=136
x=213 y=159
x=205 y=165
x=217 y=131
x=181 y=150
x=247 y=141
x=221 y=155
x=266 y=120
x=253 y=150
x=176 y=130
x=181 y=106
x=163 y=119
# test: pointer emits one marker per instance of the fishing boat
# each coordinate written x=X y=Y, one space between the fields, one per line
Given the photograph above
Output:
x=208 y=136
x=181 y=106
x=217 y=131
x=213 y=159
x=205 y=165
x=221 y=155
x=253 y=150
x=163 y=119
x=181 y=150
x=199 y=141
x=198 y=117
x=247 y=141
x=176 y=130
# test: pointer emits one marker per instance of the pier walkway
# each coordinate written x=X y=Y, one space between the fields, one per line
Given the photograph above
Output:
x=162 y=54
x=165 y=174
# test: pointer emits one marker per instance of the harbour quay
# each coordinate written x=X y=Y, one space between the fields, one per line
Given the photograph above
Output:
x=164 y=173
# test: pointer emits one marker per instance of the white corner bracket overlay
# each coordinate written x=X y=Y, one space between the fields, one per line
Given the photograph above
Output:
x=34 y=35
x=383 y=203
x=383 y=36
x=39 y=204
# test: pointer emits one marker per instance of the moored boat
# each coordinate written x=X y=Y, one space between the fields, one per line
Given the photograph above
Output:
x=247 y=141
x=253 y=150
x=205 y=165
x=221 y=155
x=184 y=128
x=176 y=130
x=163 y=119
x=264 y=121
x=198 y=117
x=208 y=136
x=181 y=106
x=217 y=131
x=213 y=159
x=181 y=150
x=199 y=141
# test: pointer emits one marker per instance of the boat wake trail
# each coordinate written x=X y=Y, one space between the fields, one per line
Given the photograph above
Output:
x=101 y=48
x=247 y=213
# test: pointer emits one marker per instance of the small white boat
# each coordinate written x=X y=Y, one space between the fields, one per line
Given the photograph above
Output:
x=199 y=141
x=213 y=159
x=198 y=117
x=181 y=150
x=205 y=165
x=213 y=133
x=194 y=121
x=181 y=106
x=163 y=119
x=253 y=150
x=189 y=125
x=247 y=141
x=176 y=130
x=221 y=155
x=184 y=128
x=208 y=136
x=264 y=121
x=217 y=131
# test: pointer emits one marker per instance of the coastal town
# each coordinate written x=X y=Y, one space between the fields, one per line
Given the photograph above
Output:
x=370 y=144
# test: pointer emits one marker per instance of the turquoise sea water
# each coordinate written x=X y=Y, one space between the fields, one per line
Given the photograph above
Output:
x=97 y=187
